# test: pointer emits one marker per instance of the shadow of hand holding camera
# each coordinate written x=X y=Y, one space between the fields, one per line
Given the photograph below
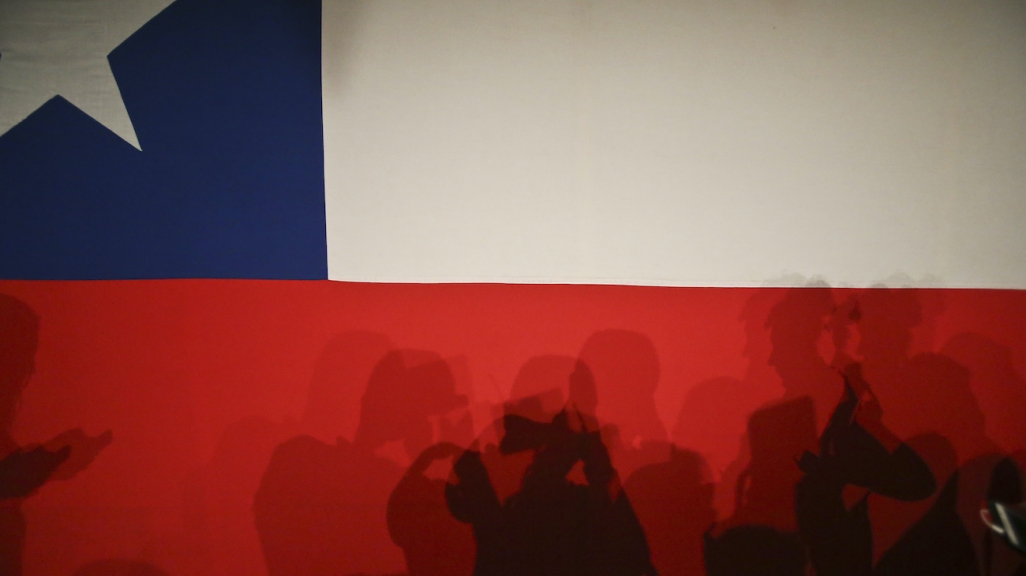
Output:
x=551 y=525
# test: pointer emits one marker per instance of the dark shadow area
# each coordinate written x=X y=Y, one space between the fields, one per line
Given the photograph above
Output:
x=674 y=504
x=937 y=544
x=777 y=436
x=754 y=551
x=857 y=450
x=551 y=525
x=419 y=522
x=890 y=517
x=1005 y=488
x=787 y=372
x=541 y=389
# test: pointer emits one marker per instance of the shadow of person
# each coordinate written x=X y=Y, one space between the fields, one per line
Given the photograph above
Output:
x=797 y=325
x=855 y=450
x=1001 y=392
x=540 y=390
x=419 y=522
x=674 y=504
x=924 y=392
x=23 y=470
x=997 y=386
x=714 y=415
x=623 y=369
x=339 y=381
x=937 y=545
x=551 y=526
x=433 y=542
x=322 y=508
x=796 y=388
x=892 y=518
x=217 y=497
x=765 y=491
x=543 y=387
x=546 y=378
x=1005 y=488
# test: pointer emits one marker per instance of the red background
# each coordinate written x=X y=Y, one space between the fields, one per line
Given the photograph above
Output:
x=170 y=366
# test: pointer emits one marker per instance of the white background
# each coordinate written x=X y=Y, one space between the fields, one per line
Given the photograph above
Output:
x=702 y=142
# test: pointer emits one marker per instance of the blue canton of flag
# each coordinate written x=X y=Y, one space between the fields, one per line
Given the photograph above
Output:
x=224 y=178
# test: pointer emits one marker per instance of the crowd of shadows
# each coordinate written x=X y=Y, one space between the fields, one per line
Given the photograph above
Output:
x=576 y=474
x=869 y=460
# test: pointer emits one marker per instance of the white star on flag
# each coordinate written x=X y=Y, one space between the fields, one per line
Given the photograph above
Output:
x=59 y=48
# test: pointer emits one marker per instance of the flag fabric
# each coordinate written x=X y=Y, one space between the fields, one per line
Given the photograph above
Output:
x=290 y=253
x=536 y=142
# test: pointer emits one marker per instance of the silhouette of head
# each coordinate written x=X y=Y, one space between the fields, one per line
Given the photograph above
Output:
x=19 y=338
x=779 y=433
x=539 y=389
x=339 y=381
x=583 y=394
x=997 y=386
x=406 y=388
x=886 y=320
x=754 y=315
x=624 y=366
x=1005 y=482
x=557 y=447
x=796 y=324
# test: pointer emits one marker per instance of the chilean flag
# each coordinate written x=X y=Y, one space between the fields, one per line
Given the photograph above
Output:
x=226 y=216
